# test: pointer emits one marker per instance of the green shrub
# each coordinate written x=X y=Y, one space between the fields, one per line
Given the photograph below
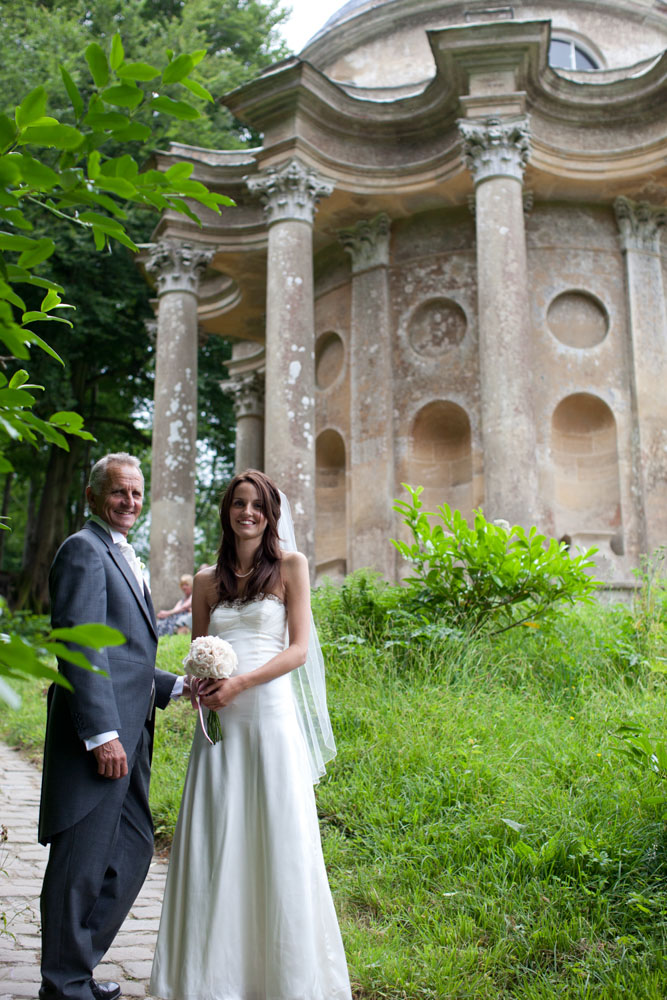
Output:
x=490 y=577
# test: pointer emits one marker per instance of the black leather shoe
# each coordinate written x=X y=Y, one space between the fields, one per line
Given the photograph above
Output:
x=104 y=991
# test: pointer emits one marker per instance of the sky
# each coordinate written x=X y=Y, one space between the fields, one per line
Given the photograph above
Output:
x=308 y=16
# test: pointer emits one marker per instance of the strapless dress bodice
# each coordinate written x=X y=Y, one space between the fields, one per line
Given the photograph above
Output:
x=256 y=631
x=255 y=628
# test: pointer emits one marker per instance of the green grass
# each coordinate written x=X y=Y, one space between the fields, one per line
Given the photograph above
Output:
x=483 y=839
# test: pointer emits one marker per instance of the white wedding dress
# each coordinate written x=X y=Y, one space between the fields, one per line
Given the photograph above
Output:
x=247 y=911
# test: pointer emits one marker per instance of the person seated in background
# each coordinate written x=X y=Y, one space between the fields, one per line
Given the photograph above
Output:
x=179 y=618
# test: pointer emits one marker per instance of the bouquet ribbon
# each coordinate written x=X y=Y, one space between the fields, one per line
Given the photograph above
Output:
x=194 y=693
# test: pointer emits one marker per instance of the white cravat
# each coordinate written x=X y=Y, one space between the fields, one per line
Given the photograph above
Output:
x=132 y=560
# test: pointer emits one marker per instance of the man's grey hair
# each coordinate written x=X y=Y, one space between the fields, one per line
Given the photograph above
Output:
x=100 y=471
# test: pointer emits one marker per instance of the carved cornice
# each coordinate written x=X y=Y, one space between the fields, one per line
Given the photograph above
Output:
x=367 y=242
x=178 y=267
x=639 y=224
x=496 y=148
x=290 y=191
x=247 y=393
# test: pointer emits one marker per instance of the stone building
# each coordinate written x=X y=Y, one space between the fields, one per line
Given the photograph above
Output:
x=443 y=268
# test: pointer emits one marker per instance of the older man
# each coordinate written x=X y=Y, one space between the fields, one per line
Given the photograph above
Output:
x=94 y=809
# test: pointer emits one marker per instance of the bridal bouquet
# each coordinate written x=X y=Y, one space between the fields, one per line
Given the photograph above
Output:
x=210 y=658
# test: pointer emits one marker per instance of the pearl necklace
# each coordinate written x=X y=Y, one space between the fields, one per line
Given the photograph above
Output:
x=241 y=576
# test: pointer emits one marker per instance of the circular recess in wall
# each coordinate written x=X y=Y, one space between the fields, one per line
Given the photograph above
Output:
x=329 y=357
x=436 y=326
x=578 y=319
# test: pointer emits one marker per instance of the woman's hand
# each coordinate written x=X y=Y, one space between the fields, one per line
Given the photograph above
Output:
x=217 y=694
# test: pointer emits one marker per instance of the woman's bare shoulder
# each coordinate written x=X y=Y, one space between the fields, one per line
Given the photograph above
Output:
x=204 y=582
x=293 y=562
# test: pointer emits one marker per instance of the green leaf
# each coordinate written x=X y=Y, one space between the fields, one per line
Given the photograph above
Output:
x=176 y=109
x=124 y=95
x=10 y=295
x=51 y=300
x=9 y=241
x=96 y=636
x=106 y=120
x=125 y=166
x=71 y=656
x=38 y=175
x=55 y=136
x=17 y=218
x=197 y=89
x=31 y=258
x=117 y=185
x=32 y=107
x=97 y=63
x=19 y=378
x=117 y=54
x=7 y=132
x=34 y=339
x=72 y=423
x=133 y=133
x=72 y=92
x=10 y=173
x=94 y=165
x=178 y=172
x=179 y=68
x=141 y=71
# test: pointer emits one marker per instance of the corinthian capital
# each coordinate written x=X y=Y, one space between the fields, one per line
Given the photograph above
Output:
x=178 y=267
x=247 y=392
x=639 y=224
x=367 y=242
x=290 y=191
x=496 y=148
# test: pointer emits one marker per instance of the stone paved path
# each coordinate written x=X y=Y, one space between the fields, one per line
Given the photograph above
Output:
x=23 y=860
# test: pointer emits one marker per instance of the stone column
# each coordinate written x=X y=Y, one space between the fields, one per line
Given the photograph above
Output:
x=371 y=398
x=496 y=152
x=178 y=268
x=247 y=392
x=290 y=193
x=639 y=224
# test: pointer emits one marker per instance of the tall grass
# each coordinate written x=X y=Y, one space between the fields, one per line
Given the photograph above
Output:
x=482 y=836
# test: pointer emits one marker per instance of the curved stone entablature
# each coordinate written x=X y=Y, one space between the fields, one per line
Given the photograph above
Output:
x=482 y=70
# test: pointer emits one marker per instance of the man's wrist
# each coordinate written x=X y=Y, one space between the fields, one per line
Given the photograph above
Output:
x=97 y=741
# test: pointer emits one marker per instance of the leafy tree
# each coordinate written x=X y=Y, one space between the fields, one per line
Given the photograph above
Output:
x=109 y=353
x=87 y=187
x=488 y=576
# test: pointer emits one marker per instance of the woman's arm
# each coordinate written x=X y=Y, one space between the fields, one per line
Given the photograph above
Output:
x=297 y=596
x=203 y=599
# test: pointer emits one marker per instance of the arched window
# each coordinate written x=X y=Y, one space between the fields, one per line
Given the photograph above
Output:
x=565 y=53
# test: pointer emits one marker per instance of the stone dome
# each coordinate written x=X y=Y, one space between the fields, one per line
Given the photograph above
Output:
x=383 y=45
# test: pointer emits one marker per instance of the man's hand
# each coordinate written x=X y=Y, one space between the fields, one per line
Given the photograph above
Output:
x=111 y=759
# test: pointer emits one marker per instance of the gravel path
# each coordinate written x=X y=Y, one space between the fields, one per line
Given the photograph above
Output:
x=22 y=862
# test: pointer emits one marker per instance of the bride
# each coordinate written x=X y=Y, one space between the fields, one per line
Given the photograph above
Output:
x=247 y=913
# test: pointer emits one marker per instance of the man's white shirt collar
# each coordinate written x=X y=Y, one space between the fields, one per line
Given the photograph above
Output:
x=116 y=536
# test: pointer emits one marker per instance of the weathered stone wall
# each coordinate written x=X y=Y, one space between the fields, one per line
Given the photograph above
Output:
x=332 y=396
x=435 y=358
x=583 y=400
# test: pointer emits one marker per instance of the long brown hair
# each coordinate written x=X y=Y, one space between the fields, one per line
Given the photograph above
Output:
x=266 y=566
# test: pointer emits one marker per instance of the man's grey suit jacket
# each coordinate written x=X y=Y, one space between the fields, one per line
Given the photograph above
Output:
x=91 y=581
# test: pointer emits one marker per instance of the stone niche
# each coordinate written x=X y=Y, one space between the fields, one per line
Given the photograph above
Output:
x=440 y=456
x=330 y=497
x=587 y=494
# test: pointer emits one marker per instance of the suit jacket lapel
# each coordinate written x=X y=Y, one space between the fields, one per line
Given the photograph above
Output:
x=141 y=594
